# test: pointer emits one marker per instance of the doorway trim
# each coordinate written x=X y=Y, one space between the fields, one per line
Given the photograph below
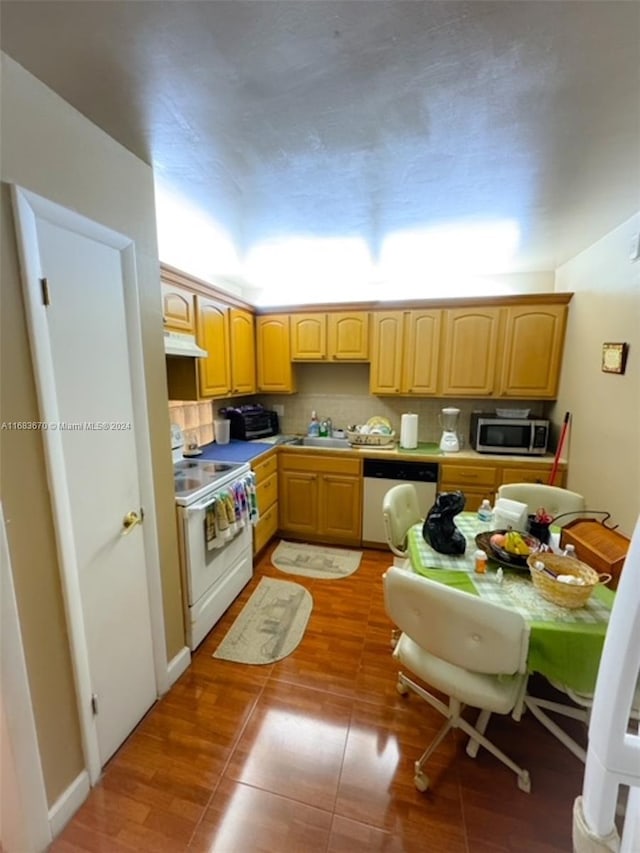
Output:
x=27 y=208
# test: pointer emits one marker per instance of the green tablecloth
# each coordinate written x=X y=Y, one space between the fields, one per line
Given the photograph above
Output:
x=565 y=645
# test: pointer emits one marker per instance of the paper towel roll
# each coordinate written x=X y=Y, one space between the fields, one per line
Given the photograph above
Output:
x=409 y=431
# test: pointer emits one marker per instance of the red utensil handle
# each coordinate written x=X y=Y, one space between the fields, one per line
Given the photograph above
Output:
x=556 y=459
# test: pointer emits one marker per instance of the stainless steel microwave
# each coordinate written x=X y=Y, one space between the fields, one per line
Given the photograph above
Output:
x=518 y=436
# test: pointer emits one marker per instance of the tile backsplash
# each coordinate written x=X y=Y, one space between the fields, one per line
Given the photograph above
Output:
x=341 y=392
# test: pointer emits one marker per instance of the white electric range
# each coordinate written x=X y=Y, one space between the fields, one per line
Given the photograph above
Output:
x=215 y=553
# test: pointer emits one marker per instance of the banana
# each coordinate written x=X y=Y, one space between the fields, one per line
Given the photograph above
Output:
x=515 y=544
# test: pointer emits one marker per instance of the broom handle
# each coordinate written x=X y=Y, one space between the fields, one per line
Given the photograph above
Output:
x=556 y=459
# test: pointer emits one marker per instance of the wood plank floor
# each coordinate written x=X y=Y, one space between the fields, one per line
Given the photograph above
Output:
x=315 y=753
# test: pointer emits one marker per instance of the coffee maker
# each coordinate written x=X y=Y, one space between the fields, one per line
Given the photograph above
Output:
x=449 y=443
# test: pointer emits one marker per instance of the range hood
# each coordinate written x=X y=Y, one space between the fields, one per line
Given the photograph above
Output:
x=177 y=343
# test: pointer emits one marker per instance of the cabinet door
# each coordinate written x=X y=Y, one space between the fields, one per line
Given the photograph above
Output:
x=470 y=352
x=274 y=369
x=178 y=309
x=242 y=352
x=534 y=340
x=298 y=502
x=341 y=508
x=386 y=352
x=308 y=337
x=212 y=322
x=422 y=352
x=348 y=336
x=531 y=474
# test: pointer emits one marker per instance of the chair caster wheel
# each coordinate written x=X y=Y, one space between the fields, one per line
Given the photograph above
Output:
x=402 y=688
x=421 y=782
x=524 y=782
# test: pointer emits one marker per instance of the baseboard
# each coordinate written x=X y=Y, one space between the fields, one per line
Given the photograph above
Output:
x=178 y=665
x=68 y=803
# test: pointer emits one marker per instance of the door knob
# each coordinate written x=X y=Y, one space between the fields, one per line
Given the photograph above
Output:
x=130 y=520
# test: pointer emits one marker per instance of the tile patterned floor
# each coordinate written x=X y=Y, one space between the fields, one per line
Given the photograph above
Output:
x=315 y=753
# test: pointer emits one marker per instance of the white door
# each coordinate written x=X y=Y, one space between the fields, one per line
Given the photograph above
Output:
x=85 y=389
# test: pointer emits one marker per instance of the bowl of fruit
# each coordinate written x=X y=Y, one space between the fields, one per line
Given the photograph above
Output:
x=511 y=547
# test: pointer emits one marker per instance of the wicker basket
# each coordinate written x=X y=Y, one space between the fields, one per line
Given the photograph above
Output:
x=564 y=594
x=375 y=440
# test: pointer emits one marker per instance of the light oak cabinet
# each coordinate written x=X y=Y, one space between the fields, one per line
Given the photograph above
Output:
x=405 y=352
x=476 y=481
x=470 y=353
x=274 y=369
x=242 y=351
x=266 y=471
x=320 y=497
x=340 y=336
x=212 y=333
x=178 y=309
x=227 y=334
x=533 y=344
x=479 y=480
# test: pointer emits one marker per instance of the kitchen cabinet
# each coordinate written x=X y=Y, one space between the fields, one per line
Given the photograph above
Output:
x=476 y=481
x=227 y=334
x=532 y=353
x=339 y=336
x=387 y=347
x=480 y=479
x=405 y=351
x=212 y=334
x=274 y=369
x=470 y=352
x=266 y=471
x=242 y=351
x=178 y=309
x=320 y=497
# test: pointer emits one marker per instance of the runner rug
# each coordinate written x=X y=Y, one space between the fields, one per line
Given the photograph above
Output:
x=315 y=561
x=270 y=626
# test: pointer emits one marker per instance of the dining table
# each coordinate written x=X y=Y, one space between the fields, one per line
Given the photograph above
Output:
x=565 y=644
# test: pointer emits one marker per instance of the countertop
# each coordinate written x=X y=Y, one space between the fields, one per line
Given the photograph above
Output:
x=246 y=451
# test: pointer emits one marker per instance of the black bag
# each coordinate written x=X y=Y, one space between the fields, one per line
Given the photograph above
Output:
x=439 y=529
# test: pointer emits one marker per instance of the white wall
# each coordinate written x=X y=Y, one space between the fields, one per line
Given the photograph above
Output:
x=604 y=443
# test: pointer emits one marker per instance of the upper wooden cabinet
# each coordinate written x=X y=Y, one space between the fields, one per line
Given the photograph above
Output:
x=470 y=353
x=533 y=343
x=404 y=352
x=242 y=351
x=212 y=333
x=341 y=336
x=274 y=369
x=178 y=309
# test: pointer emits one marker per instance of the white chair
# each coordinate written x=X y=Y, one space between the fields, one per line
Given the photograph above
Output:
x=400 y=511
x=472 y=650
x=555 y=500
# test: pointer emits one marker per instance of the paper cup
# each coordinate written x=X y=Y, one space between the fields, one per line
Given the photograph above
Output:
x=222 y=430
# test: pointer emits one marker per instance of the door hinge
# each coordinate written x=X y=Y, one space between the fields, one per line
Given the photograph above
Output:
x=94 y=703
x=44 y=284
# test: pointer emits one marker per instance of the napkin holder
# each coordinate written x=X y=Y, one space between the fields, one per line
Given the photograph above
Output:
x=510 y=514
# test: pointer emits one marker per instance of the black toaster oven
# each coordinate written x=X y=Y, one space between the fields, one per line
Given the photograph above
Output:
x=251 y=422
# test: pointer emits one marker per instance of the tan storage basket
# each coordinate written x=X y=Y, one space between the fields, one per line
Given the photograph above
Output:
x=564 y=594
x=367 y=440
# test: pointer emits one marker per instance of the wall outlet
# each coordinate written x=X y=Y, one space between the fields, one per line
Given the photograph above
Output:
x=278 y=409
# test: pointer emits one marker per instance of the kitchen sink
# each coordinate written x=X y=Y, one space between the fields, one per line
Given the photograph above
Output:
x=333 y=443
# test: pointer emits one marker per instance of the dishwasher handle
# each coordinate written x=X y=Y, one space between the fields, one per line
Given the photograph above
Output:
x=395 y=469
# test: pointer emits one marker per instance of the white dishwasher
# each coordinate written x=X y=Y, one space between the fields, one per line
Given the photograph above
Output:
x=379 y=476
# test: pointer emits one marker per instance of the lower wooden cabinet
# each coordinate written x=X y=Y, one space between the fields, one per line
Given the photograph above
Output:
x=266 y=471
x=320 y=497
x=476 y=481
x=479 y=481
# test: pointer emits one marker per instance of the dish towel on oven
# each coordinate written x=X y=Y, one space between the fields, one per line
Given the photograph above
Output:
x=229 y=511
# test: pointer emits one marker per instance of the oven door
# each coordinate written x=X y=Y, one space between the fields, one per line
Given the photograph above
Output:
x=203 y=567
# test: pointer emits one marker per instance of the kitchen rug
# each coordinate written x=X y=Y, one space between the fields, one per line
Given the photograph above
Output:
x=315 y=561
x=270 y=626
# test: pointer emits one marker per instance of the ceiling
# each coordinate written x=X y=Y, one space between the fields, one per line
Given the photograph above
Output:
x=363 y=119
